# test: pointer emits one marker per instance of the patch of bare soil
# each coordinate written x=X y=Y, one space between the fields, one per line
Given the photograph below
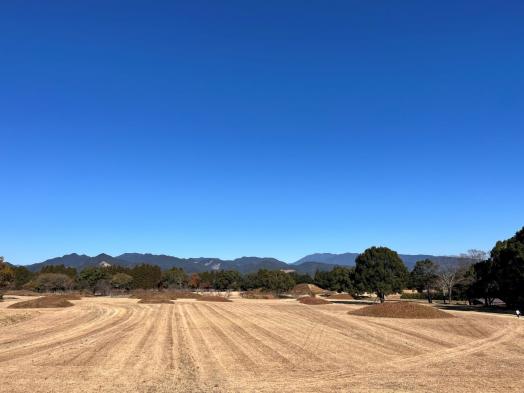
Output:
x=401 y=310
x=213 y=298
x=312 y=301
x=43 y=302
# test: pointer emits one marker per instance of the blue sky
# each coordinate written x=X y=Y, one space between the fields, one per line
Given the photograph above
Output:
x=266 y=128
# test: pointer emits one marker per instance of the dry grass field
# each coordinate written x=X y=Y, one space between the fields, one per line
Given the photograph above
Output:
x=117 y=344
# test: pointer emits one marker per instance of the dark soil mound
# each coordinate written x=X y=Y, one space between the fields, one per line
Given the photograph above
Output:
x=43 y=302
x=401 y=310
x=213 y=299
x=156 y=300
x=312 y=301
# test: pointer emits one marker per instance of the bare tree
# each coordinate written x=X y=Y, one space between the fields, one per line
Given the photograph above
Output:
x=475 y=255
x=450 y=274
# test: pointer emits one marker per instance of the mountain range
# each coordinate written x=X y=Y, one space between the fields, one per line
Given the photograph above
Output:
x=308 y=264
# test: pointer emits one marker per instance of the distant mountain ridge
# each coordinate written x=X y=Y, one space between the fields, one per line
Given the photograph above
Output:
x=348 y=259
x=308 y=264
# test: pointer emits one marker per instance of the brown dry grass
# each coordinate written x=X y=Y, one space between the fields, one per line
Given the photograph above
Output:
x=401 y=310
x=114 y=344
x=156 y=300
x=168 y=294
x=306 y=289
x=258 y=294
x=312 y=301
x=340 y=296
x=43 y=302
x=21 y=292
x=213 y=298
x=183 y=295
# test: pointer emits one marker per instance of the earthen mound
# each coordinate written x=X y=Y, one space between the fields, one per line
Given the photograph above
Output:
x=306 y=289
x=43 y=302
x=312 y=301
x=407 y=310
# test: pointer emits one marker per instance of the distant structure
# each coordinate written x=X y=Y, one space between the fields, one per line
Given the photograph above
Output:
x=104 y=264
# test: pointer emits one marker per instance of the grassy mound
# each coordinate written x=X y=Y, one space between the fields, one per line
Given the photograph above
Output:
x=258 y=294
x=401 y=310
x=43 y=302
x=156 y=300
x=306 y=289
x=312 y=301
x=211 y=298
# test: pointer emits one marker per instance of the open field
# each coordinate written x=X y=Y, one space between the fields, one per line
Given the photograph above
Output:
x=117 y=344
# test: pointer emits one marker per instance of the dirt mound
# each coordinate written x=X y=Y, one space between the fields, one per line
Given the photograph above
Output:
x=401 y=310
x=312 y=301
x=258 y=294
x=211 y=298
x=156 y=300
x=341 y=296
x=306 y=289
x=43 y=302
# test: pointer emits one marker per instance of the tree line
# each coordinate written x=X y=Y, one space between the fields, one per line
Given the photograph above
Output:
x=379 y=270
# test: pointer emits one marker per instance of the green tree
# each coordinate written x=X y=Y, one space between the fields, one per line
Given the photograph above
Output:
x=7 y=275
x=174 y=278
x=424 y=277
x=380 y=270
x=485 y=284
x=226 y=280
x=274 y=280
x=322 y=279
x=301 y=278
x=59 y=269
x=341 y=279
x=90 y=277
x=122 y=281
x=146 y=276
x=507 y=264
x=52 y=282
x=22 y=276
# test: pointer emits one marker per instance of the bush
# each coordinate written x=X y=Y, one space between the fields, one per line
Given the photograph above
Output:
x=52 y=282
x=422 y=296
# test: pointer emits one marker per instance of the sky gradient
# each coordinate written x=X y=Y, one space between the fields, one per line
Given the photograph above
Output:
x=261 y=128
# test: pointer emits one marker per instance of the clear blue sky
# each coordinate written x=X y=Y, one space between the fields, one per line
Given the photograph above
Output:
x=267 y=128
